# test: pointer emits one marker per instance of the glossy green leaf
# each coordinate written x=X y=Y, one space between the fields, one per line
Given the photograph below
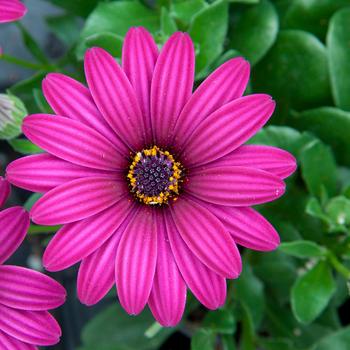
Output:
x=167 y=23
x=315 y=209
x=312 y=15
x=208 y=31
x=338 y=39
x=65 y=27
x=295 y=71
x=77 y=7
x=220 y=321
x=332 y=125
x=302 y=249
x=228 y=342
x=247 y=340
x=203 y=339
x=254 y=31
x=184 y=11
x=24 y=146
x=338 y=210
x=114 y=329
x=338 y=340
x=312 y=292
x=116 y=18
x=319 y=169
x=111 y=42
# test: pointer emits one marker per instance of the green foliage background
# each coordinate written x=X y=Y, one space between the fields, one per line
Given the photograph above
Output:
x=296 y=297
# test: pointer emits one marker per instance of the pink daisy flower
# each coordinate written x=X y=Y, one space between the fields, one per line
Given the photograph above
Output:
x=151 y=181
x=25 y=295
x=11 y=10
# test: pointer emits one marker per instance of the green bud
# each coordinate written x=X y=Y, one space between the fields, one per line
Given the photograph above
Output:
x=12 y=112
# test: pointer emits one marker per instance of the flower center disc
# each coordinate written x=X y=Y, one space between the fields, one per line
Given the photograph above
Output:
x=154 y=176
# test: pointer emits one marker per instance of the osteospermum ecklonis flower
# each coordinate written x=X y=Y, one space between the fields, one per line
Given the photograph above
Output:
x=25 y=295
x=151 y=181
x=11 y=10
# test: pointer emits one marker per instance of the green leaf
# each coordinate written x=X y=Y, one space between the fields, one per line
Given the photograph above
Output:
x=167 y=23
x=249 y=291
x=220 y=321
x=338 y=210
x=312 y=15
x=111 y=42
x=208 y=31
x=65 y=27
x=255 y=31
x=312 y=292
x=114 y=329
x=338 y=340
x=302 y=249
x=203 y=339
x=228 y=342
x=77 y=7
x=32 y=45
x=315 y=209
x=31 y=200
x=41 y=102
x=117 y=18
x=277 y=344
x=24 y=146
x=338 y=43
x=319 y=169
x=183 y=11
x=248 y=335
x=295 y=71
x=331 y=125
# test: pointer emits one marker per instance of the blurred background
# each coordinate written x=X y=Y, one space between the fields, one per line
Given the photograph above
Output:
x=295 y=298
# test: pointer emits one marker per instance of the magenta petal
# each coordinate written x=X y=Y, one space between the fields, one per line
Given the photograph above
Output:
x=72 y=141
x=171 y=85
x=97 y=271
x=43 y=172
x=4 y=191
x=271 y=159
x=11 y=10
x=247 y=227
x=72 y=99
x=227 y=128
x=33 y=327
x=26 y=289
x=140 y=53
x=136 y=261
x=76 y=241
x=234 y=186
x=114 y=96
x=77 y=200
x=208 y=287
x=14 y=223
x=9 y=343
x=207 y=238
x=168 y=296
x=225 y=84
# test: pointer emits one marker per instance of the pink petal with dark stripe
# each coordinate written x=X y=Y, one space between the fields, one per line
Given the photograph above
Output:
x=208 y=287
x=77 y=200
x=234 y=186
x=73 y=141
x=33 y=327
x=97 y=271
x=75 y=241
x=271 y=159
x=4 y=191
x=70 y=98
x=168 y=296
x=227 y=128
x=225 y=84
x=11 y=10
x=114 y=96
x=206 y=237
x=171 y=85
x=136 y=261
x=14 y=224
x=247 y=227
x=27 y=289
x=43 y=172
x=140 y=53
x=9 y=343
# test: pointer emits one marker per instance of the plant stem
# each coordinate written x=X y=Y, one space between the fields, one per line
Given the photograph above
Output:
x=338 y=266
x=20 y=62
x=34 y=230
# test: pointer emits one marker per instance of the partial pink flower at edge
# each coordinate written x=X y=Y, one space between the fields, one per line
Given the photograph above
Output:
x=11 y=10
x=168 y=217
x=25 y=295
